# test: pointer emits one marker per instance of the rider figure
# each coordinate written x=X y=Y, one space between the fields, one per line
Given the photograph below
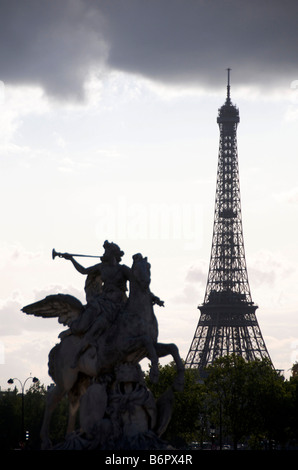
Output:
x=106 y=296
x=105 y=289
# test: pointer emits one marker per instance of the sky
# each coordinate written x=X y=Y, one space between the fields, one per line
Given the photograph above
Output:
x=108 y=131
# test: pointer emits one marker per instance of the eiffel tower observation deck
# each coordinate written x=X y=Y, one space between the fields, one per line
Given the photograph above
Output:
x=228 y=323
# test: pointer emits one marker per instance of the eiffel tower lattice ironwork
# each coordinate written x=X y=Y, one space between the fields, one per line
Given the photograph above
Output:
x=228 y=323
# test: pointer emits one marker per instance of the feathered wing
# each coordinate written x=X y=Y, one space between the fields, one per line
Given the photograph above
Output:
x=65 y=307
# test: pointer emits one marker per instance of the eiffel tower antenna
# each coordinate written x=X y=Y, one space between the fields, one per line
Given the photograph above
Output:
x=228 y=323
x=228 y=86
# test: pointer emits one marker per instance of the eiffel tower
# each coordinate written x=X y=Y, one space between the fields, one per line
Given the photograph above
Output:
x=228 y=323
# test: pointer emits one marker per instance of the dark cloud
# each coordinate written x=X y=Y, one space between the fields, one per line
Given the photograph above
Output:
x=56 y=43
x=51 y=43
x=193 y=40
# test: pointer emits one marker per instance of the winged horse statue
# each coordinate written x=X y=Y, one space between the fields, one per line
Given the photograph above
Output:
x=131 y=336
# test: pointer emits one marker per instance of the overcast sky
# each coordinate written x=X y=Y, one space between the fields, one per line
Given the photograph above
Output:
x=108 y=131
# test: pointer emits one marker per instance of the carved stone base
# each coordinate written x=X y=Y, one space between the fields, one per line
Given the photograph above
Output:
x=121 y=414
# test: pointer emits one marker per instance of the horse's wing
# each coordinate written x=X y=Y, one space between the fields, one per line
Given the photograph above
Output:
x=62 y=306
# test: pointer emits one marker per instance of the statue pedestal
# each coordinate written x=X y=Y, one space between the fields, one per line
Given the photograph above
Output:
x=120 y=414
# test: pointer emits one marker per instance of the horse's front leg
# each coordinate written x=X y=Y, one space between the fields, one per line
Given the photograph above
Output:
x=146 y=346
x=152 y=355
x=165 y=349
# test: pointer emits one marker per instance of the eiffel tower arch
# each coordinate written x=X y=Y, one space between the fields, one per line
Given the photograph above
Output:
x=228 y=323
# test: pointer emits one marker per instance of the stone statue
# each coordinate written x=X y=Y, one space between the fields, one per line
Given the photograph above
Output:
x=97 y=360
x=121 y=416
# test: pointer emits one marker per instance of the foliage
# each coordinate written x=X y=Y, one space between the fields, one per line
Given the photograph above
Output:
x=33 y=412
x=243 y=401
x=248 y=398
x=10 y=420
x=291 y=388
x=188 y=405
x=34 y=405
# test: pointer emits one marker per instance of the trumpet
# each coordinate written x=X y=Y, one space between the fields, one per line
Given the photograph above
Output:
x=61 y=255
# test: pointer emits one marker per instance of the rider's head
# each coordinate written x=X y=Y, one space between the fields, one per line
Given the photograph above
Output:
x=111 y=249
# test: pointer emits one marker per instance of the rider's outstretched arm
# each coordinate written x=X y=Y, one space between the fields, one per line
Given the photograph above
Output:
x=79 y=267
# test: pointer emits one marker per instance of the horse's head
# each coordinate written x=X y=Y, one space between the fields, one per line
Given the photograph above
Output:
x=141 y=270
